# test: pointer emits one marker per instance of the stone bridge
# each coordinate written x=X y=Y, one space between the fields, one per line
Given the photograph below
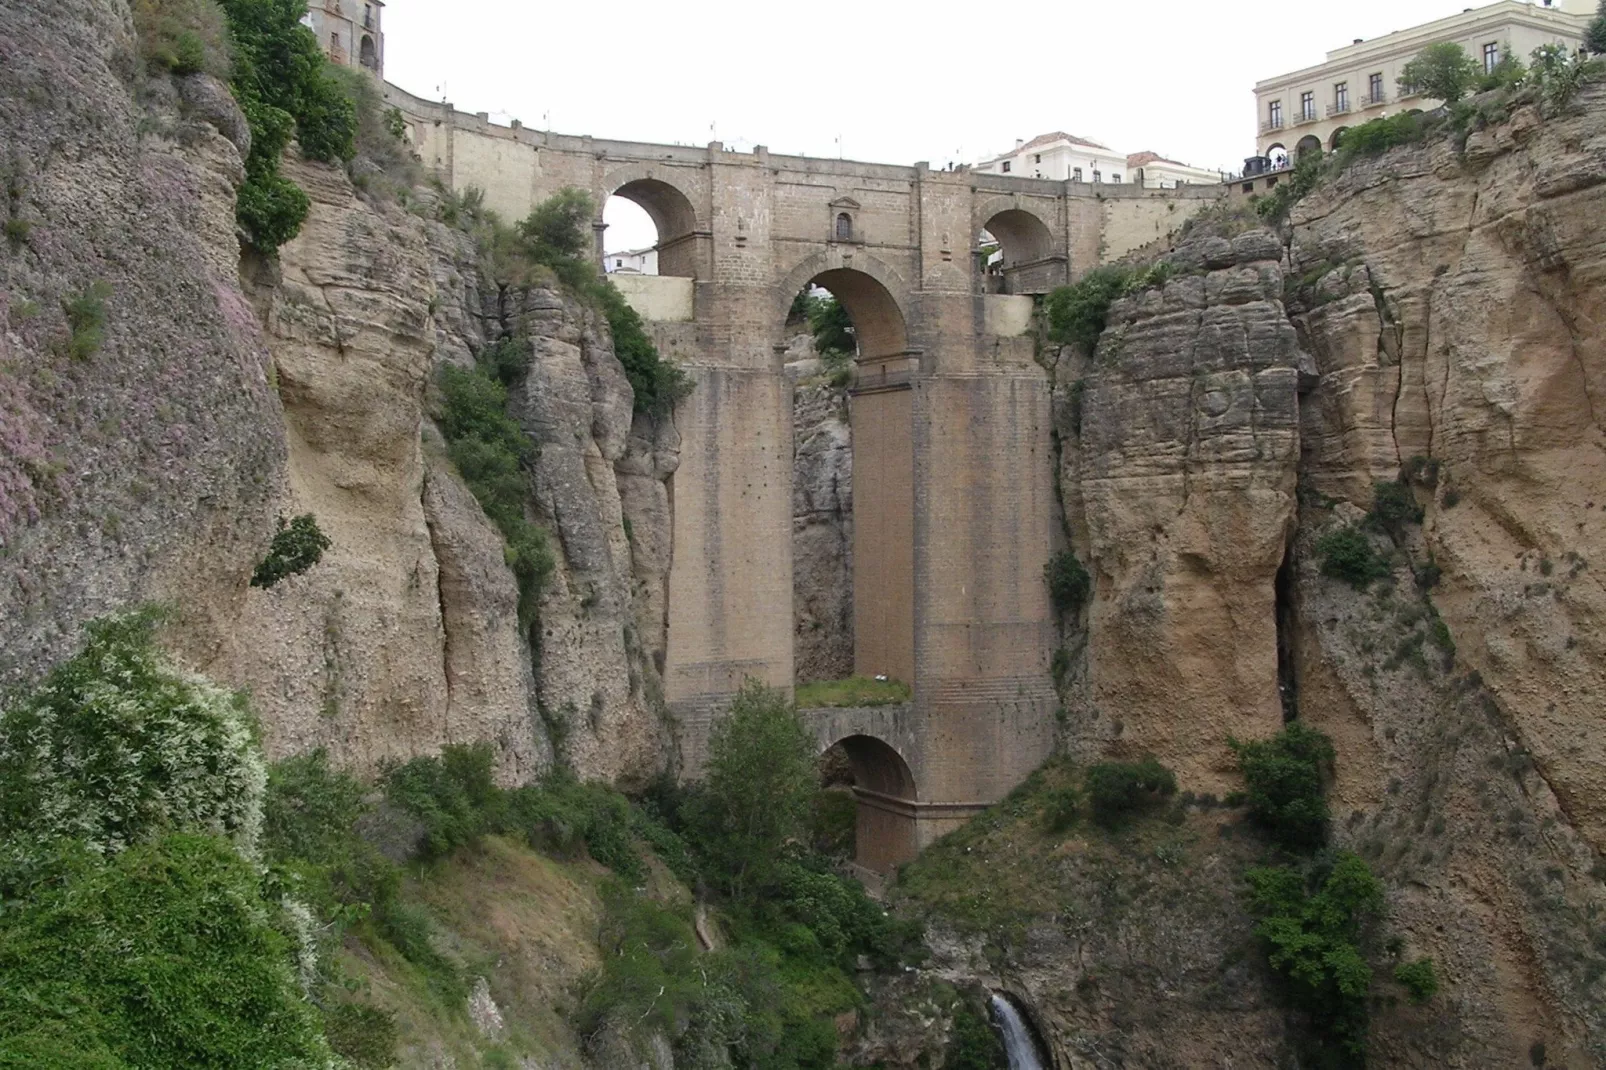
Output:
x=955 y=511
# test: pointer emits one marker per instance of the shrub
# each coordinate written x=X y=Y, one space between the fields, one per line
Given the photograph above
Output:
x=17 y=230
x=1285 y=778
x=758 y=788
x=1068 y=583
x=163 y=955
x=453 y=796
x=1418 y=978
x=1595 y=34
x=183 y=36
x=1078 y=313
x=1274 y=207
x=831 y=326
x=1559 y=75
x=1508 y=74
x=1119 y=789
x=1347 y=555
x=115 y=747
x=282 y=83
x=365 y=1036
x=1379 y=135
x=491 y=451
x=381 y=161
x=1443 y=71
x=86 y=319
x=657 y=384
x=1394 y=509
x=973 y=1043
x=1061 y=806
x=298 y=546
x=1311 y=927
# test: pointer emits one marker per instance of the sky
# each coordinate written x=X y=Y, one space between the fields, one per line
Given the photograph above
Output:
x=875 y=80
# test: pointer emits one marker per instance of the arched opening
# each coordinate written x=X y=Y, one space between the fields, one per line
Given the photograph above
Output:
x=1016 y=254
x=1337 y=139
x=884 y=792
x=1308 y=145
x=1277 y=156
x=852 y=536
x=650 y=229
x=369 y=54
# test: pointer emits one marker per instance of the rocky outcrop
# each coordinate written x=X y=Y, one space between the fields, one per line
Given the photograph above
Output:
x=141 y=445
x=1180 y=443
x=822 y=520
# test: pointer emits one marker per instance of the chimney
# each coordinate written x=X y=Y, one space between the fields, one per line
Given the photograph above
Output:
x=1020 y=141
x=1358 y=40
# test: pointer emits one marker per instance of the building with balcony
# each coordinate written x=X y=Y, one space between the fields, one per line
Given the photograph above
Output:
x=351 y=32
x=1309 y=110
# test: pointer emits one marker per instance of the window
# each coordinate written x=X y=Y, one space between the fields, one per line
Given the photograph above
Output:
x=1097 y=177
x=1274 y=115
x=844 y=225
x=1249 y=187
x=334 y=42
x=1491 y=57
x=1307 y=106
x=1374 y=89
x=1341 y=96
x=1115 y=178
x=368 y=15
x=1076 y=174
x=1037 y=158
x=1006 y=167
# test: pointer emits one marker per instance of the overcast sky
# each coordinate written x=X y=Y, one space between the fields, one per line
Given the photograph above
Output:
x=895 y=82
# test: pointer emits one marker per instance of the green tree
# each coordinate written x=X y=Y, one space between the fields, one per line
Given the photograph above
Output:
x=1286 y=776
x=759 y=786
x=1595 y=35
x=1443 y=71
x=1077 y=313
x=832 y=326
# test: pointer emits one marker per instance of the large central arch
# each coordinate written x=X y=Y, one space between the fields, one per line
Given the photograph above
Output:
x=884 y=834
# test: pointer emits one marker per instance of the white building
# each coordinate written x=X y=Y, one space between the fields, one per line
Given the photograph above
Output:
x=1153 y=171
x=1310 y=109
x=1059 y=156
x=632 y=262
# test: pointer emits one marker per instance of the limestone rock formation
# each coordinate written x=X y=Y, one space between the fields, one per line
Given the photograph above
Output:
x=822 y=521
x=141 y=444
x=1180 y=447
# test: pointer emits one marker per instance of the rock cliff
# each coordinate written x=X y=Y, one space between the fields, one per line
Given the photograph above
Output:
x=822 y=520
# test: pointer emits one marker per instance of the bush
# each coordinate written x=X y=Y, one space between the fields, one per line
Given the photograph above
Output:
x=163 y=956
x=183 y=36
x=364 y=1036
x=1312 y=927
x=310 y=817
x=657 y=384
x=831 y=326
x=86 y=320
x=1077 y=314
x=1061 y=806
x=1118 y=789
x=298 y=546
x=973 y=1043
x=381 y=162
x=1379 y=135
x=1308 y=170
x=1285 y=777
x=1595 y=34
x=283 y=84
x=115 y=747
x=453 y=796
x=1443 y=71
x=491 y=452
x=1068 y=583
x=1394 y=509
x=1419 y=979
x=1347 y=555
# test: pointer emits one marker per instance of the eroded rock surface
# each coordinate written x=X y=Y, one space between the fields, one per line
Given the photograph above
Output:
x=822 y=521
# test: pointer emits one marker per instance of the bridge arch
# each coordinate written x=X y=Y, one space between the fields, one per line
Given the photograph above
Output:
x=885 y=794
x=1031 y=260
x=672 y=211
x=866 y=287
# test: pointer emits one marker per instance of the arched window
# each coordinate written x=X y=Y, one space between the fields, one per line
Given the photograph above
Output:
x=844 y=227
x=370 y=56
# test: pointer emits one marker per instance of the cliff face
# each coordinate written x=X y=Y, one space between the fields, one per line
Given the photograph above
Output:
x=822 y=520
x=141 y=444
x=152 y=465
x=1432 y=317
x=1179 y=446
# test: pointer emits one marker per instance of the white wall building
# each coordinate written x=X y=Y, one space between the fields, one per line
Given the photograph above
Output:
x=632 y=261
x=1153 y=171
x=1310 y=109
x=1059 y=156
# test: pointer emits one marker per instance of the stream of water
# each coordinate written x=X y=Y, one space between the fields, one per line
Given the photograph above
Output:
x=1018 y=1043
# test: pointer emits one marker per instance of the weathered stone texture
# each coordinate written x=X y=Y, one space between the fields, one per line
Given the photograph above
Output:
x=822 y=525
x=1179 y=471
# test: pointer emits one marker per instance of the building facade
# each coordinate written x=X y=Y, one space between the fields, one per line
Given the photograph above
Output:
x=1309 y=110
x=351 y=32
x=632 y=261
x=1060 y=157
x=1153 y=171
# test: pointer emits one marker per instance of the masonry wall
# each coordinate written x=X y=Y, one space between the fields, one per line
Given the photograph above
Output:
x=883 y=535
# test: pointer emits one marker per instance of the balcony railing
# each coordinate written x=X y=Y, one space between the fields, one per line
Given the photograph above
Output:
x=1271 y=124
x=1305 y=117
x=1341 y=108
x=1371 y=101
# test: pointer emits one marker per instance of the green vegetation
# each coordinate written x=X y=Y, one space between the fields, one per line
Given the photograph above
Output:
x=1286 y=777
x=17 y=230
x=1393 y=509
x=183 y=36
x=833 y=328
x=1275 y=206
x=1078 y=313
x=1379 y=135
x=298 y=546
x=1443 y=71
x=974 y=1043
x=1595 y=34
x=1312 y=924
x=1507 y=74
x=1347 y=554
x=854 y=691
x=1068 y=583
x=1419 y=979
x=284 y=86
x=491 y=452
x=1116 y=790
x=382 y=163
x=86 y=320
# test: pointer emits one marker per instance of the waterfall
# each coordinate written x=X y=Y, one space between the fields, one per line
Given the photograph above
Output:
x=1018 y=1042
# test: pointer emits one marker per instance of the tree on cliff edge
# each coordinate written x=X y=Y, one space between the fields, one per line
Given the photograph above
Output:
x=1595 y=36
